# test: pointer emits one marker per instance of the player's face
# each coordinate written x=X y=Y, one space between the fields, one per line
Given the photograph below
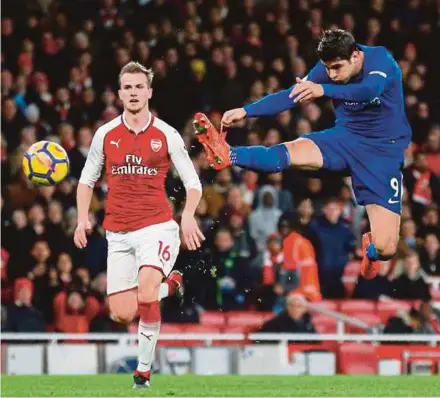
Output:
x=134 y=92
x=342 y=70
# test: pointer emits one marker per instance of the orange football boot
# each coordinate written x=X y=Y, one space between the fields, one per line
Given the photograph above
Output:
x=369 y=269
x=214 y=142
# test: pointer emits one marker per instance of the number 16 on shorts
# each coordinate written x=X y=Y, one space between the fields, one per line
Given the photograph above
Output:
x=164 y=252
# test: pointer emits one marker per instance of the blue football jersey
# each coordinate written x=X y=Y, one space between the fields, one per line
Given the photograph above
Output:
x=372 y=103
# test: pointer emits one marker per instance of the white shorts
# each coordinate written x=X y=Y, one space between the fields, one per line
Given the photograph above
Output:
x=154 y=246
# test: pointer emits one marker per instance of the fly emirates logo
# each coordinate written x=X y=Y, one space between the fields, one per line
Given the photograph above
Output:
x=134 y=166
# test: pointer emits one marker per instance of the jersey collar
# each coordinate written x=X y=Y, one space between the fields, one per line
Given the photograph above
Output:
x=149 y=122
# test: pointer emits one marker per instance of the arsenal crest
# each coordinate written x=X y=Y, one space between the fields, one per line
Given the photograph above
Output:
x=156 y=145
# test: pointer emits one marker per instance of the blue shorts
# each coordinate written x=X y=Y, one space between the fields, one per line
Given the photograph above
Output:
x=375 y=164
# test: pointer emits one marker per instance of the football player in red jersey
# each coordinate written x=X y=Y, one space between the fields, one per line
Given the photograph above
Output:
x=136 y=150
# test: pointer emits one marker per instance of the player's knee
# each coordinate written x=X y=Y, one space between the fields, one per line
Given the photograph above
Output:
x=123 y=315
x=305 y=154
x=386 y=247
x=148 y=293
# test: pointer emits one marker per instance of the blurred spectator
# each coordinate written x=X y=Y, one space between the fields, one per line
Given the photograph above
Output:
x=431 y=317
x=234 y=276
x=410 y=284
x=294 y=319
x=234 y=205
x=22 y=316
x=432 y=149
x=73 y=311
x=249 y=187
x=423 y=186
x=412 y=322
x=373 y=289
x=430 y=222
x=264 y=219
x=284 y=197
x=244 y=245
x=430 y=255
x=215 y=194
x=335 y=243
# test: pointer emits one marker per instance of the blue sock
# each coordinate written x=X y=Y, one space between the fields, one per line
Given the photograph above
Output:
x=373 y=254
x=271 y=160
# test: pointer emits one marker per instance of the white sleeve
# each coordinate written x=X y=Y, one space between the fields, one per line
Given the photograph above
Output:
x=95 y=160
x=182 y=162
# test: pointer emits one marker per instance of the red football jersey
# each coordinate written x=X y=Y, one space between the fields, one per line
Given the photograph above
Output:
x=136 y=165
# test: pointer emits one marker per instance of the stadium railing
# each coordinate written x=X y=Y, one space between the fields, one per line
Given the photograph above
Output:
x=341 y=319
x=208 y=338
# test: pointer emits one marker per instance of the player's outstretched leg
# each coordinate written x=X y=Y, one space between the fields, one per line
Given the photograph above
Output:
x=149 y=323
x=301 y=153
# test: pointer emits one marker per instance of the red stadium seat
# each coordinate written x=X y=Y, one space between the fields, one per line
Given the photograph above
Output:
x=172 y=328
x=350 y=276
x=328 y=304
x=324 y=324
x=354 y=306
x=197 y=328
x=246 y=318
x=387 y=309
x=369 y=318
x=357 y=359
x=435 y=294
x=267 y=315
x=240 y=329
x=352 y=269
x=213 y=318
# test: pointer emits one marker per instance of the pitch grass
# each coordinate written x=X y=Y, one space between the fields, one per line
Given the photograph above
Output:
x=222 y=386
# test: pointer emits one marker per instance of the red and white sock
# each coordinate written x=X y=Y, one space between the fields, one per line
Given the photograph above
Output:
x=167 y=288
x=148 y=333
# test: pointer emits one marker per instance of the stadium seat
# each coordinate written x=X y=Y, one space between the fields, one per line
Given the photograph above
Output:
x=324 y=324
x=435 y=294
x=267 y=315
x=328 y=304
x=245 y=318
x=196 y=328
x=354 y=306
x=369 y=318
x=357 y=359
x=213 y=318
x=350 y=276
x=352 y=269
x=172 y=328
x=240 y=329
x=386 y=309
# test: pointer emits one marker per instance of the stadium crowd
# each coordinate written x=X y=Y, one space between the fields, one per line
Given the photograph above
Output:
x=267 y=235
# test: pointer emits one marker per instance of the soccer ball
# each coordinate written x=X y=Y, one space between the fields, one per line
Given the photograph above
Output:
x=46 y=163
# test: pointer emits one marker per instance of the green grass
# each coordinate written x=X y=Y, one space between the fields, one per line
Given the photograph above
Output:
x=225 y=386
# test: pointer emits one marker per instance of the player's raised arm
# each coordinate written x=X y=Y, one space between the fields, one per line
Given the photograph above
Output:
x=370 y=87
x=272 y=104
x=374 y=81
x=187 y=173
x=90 y=174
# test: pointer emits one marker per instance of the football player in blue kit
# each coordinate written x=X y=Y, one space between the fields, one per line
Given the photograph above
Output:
x=368 y=140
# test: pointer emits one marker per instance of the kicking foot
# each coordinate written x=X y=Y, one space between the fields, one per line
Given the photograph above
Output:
x=214 y=142
x=141 y=379
x=369 y=269
x=175 y=285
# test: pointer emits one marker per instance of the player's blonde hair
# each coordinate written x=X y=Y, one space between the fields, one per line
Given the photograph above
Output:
x=136 y=67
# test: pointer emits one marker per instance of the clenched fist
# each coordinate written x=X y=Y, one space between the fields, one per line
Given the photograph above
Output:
x=232 y=116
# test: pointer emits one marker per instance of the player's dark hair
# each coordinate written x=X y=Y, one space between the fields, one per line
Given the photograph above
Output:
x=336 y=44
